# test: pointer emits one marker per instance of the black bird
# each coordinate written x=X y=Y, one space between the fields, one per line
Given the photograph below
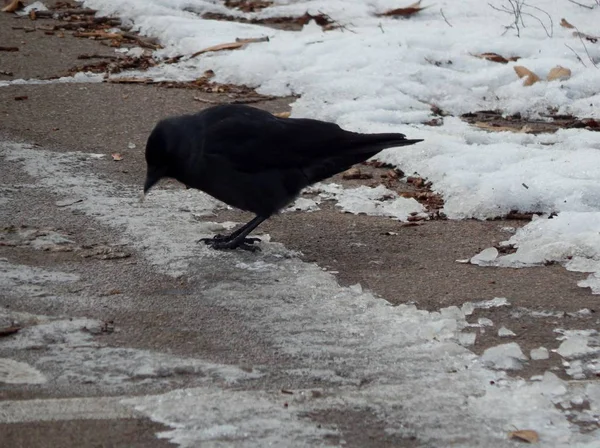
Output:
x=253 y=160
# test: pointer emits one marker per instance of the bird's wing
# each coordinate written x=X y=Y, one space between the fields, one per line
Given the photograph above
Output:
x=254 y=143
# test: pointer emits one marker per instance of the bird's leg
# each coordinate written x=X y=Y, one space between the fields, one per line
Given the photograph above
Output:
x=237 y=238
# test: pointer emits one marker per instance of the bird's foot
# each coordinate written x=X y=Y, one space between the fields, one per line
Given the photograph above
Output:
x=219 y=242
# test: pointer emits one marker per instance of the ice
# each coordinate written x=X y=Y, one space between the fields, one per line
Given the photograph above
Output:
x=303 y=204
x=493 y=303
x=484 y=322
x=36 y=6
x=539 y=353
x=485 y=257
x=15 y=372
x=575 y=346
x=467 y=339
x=378 y=201
x=505 y=357
x=504 y=332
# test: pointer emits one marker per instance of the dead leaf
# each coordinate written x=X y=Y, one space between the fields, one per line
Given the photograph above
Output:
x=565 y=24
x=7 y=331
x=524 y=435
x=523 y=72
x=355 y=173
x=116 y=156
x=9 y=48
x=21 y=98
x=495 y=57
x=559 y=72
x=13 y=6
x=283 y=114
x=406 y=11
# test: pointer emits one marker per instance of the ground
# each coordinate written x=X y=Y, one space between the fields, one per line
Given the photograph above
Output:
x=136 y=311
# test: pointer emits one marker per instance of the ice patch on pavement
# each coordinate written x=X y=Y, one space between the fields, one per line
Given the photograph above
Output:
x=505 y=357
x=15 y=372
x=209 y=417
x=572 y=239
x=78 y=78
x=72 y=355
x=414 y=373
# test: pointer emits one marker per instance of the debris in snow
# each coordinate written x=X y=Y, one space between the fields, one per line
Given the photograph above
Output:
x=504 y=332
x=493 y=303
x=565 y=24
x=504 y=357
x=523 y=72
x=355 y=173
x=524 y=435
x=407 y=11
x=560 y=73
x=485 y=257
x=539 y=353
x=494 y=57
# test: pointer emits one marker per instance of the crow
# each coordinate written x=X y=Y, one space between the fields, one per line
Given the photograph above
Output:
x=253 y=160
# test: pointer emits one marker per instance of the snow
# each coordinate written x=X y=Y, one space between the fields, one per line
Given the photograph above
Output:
x=15 y=372
x=372 y=201
x=416 y=370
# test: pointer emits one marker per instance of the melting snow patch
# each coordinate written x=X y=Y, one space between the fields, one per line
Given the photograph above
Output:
x=493 y=303
x=378 y=201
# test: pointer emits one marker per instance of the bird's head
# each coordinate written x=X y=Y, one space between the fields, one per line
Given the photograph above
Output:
x=157 y=160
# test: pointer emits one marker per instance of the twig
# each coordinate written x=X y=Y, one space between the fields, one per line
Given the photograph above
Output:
x=381 y=28
x=582 y=5
x=445 y=19
x=237 y=100
x=585 y=48
x=576 y=55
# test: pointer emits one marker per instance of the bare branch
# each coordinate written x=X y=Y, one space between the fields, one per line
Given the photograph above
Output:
x=576 y=55
x=445 y=19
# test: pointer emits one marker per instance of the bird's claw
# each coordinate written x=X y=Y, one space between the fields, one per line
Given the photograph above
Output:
x=224 y=243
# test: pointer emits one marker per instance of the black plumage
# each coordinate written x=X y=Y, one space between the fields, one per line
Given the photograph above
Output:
x=253 y=160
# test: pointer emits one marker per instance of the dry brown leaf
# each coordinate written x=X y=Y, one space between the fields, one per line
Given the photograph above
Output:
x=406 y=11
x=523 y=72
x=13 y=6
x=565 y=24
x=7 y=331
x=524 y=435
x=116 y=156
x=495 y=57
x=283 y=114
x=559 y=72
x=355 y=173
